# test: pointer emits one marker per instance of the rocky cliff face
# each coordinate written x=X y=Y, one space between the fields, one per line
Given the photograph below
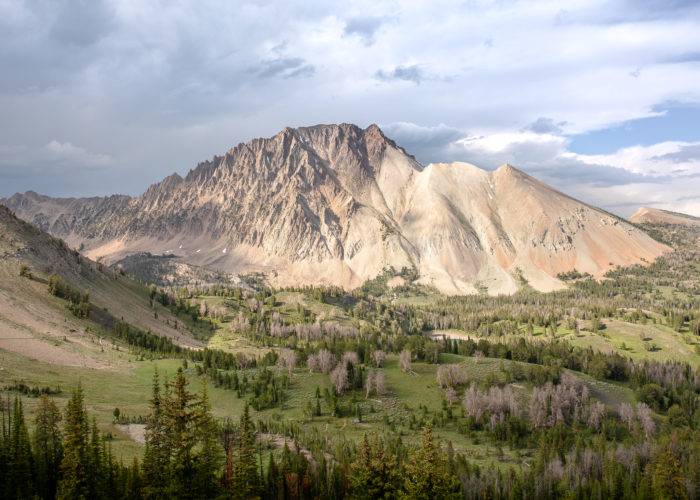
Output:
x=335 y=204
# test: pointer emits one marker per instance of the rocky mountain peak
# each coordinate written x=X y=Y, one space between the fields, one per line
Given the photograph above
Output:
x=336 y=204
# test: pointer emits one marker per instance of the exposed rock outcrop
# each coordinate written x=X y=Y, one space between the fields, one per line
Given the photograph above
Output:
x=335 y=204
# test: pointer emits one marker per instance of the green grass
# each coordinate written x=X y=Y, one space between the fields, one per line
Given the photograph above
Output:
x=128 y=389
x=671 y=345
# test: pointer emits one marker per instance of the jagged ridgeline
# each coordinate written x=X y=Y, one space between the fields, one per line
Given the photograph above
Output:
x=337 y=204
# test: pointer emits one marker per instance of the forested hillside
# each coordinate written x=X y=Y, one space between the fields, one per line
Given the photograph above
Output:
x=389 y=390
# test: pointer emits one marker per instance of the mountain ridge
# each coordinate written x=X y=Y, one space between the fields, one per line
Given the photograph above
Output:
x=336 y=204
x=659 y=216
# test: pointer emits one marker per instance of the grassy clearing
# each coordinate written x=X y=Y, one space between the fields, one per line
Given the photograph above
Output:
x=619 y=336
x=127 y=389
x=626 y=339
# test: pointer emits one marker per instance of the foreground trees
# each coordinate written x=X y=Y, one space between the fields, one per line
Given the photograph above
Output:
x=183 y=455
x=188 y=454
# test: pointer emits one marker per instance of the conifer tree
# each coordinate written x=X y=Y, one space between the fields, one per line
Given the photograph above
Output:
x=245 y=482
x=156 y=457
x=667 y=475
x=181 y=436
x=374 y=473
x=209 y=458
x=20 y=455
x=427 y=474
x=74 y=465
x=48 y=447
x=95 y=461
x=272 y=479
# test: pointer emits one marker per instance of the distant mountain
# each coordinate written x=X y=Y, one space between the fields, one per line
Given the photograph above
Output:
x=335 y=204
x=658 y=216
x=37 y=324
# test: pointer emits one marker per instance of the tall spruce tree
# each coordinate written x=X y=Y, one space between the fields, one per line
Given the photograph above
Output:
x=75 y=463
x=427 y=474
x=180 y=415
x=156 y=457
x=96 y=461
x=210 y=453
x=374 y=473
x=48 y=447
x=245 y=483
x=20 y=454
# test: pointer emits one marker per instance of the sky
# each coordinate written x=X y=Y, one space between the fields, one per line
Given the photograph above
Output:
x=600 y=99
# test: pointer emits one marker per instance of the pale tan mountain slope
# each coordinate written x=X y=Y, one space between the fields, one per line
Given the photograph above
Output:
x=658 y=216
x=335 y=204
x=38 y=325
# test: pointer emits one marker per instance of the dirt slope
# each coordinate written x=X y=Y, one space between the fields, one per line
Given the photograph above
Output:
x=38 y=325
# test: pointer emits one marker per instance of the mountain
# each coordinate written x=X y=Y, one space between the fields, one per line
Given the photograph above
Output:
x=37 y=324
x=336 y=204
x=657 y=216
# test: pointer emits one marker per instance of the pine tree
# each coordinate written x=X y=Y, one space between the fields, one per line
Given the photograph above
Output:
x=48 y=448
x=667 y=478
x=427 y=474
x=20 y=454
x=245 y=482
x=74 y=465
x=272 y=480
x=374 y=472
x=181 y=437
x=209 y=458
x=134 y=486
x=4 y=451
x=156 y=457
x=95 y=461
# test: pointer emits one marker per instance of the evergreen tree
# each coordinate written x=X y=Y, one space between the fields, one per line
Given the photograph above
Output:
x=209 y=458
x=181 y=437
x=95 y=461
x=156 y=457
x=74 y=465
x=374 y=472
x=667 y=476
x=245 y=483
x=427 y=474
x=48 y=448
x=272 y=479
x=20 y=456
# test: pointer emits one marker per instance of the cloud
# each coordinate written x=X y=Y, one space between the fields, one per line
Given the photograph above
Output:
x=75 y=156
x=620 y=181
x=364 y=27
x=289 y=67
x=412 y=73
x=56 y=164
x=427 y=144
x=52 y=156
x=163 y=88
x=82 y=22
x=684 y=154
x=546 y=126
